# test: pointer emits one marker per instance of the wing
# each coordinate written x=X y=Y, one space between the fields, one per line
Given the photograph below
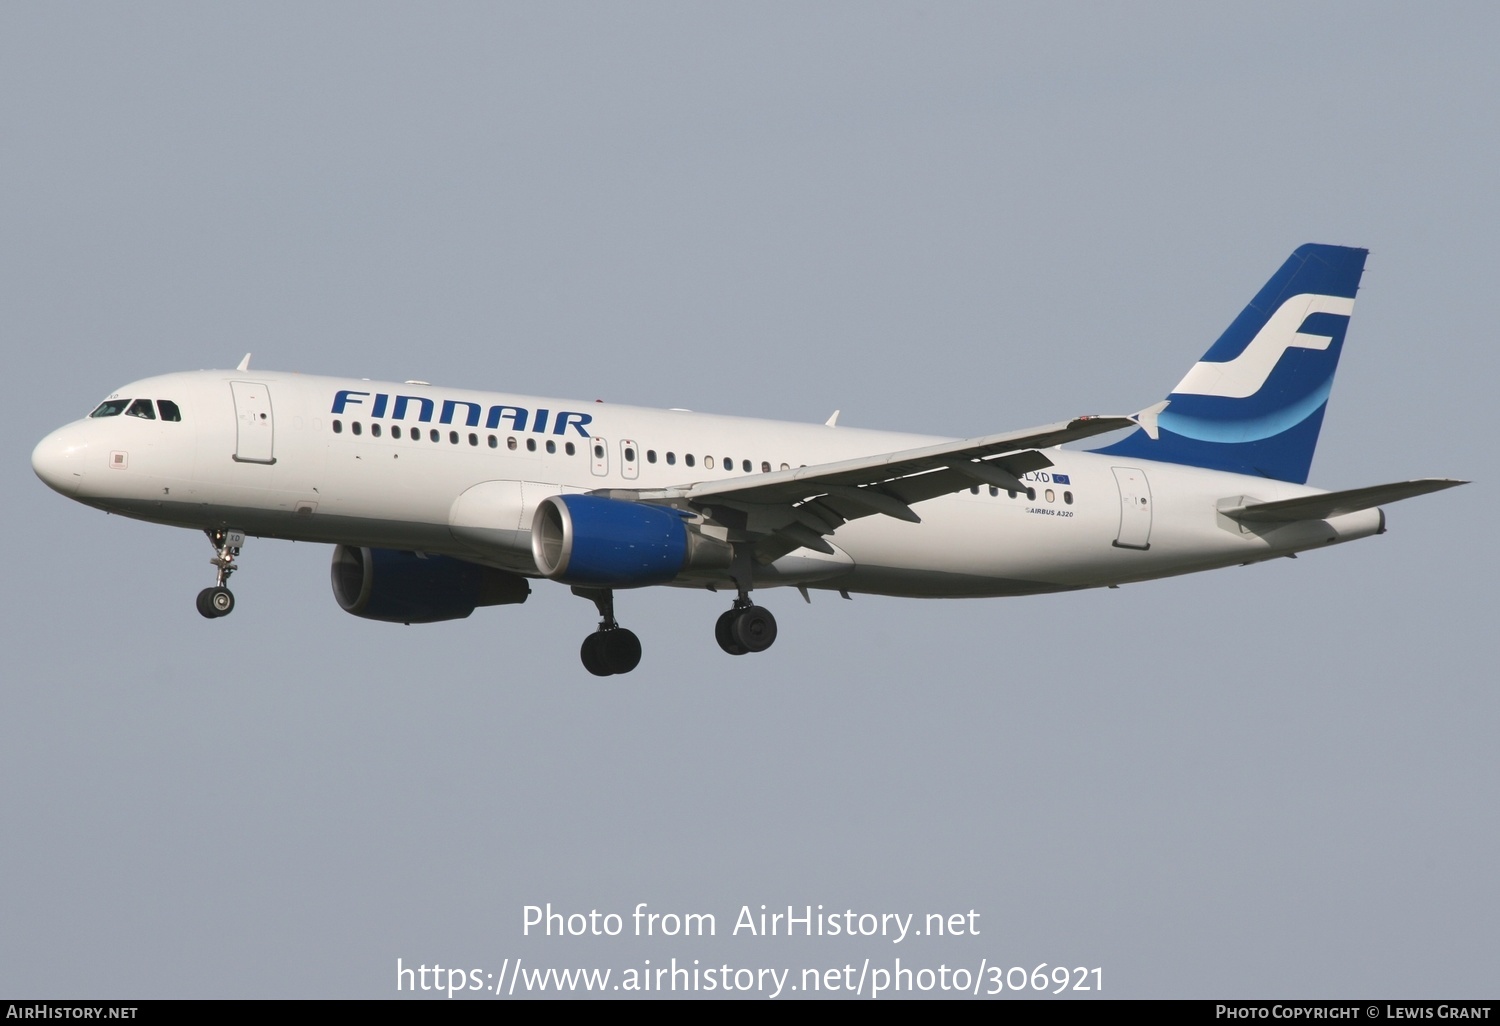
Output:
x=789 y=509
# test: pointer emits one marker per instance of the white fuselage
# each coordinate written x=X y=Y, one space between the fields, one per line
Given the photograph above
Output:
x=459 y=473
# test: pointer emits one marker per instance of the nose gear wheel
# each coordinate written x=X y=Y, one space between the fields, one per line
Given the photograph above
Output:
x=219 y=600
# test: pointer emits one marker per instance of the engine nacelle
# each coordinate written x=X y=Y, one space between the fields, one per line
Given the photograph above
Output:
x=410 y=587
x=611 y=543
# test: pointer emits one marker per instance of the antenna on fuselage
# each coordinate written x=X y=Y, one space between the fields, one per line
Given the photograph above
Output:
x=245 y=363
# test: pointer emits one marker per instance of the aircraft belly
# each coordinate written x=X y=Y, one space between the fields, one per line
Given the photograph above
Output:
x=288 y=525
x=984 y=545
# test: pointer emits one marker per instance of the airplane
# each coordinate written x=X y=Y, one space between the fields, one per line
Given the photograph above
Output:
x=441 y=500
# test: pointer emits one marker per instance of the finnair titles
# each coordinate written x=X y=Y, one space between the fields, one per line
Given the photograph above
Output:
x=438 y=501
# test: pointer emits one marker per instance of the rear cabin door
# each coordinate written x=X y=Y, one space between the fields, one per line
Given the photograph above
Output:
x=1135 y=509
x=255 y=437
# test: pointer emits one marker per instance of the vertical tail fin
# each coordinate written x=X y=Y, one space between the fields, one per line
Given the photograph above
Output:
x=1254 y=404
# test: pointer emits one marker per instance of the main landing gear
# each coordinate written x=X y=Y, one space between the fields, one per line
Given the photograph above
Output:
x=745 y=628
x=611 y=649
x=219 y=600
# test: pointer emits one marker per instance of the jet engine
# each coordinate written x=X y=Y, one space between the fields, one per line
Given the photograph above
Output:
x=413 y=587
x=611 y=543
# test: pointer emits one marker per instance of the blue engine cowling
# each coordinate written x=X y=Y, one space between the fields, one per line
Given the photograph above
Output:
x=411 y=587
x=609 y=543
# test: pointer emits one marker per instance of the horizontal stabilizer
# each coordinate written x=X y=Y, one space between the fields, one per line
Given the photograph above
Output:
x=1334 y=504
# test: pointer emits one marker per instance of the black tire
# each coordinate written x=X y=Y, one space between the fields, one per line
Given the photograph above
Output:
x=622 y=650
x=215 y=602
x=755 y=628
x=592 y=654
x=724 y=633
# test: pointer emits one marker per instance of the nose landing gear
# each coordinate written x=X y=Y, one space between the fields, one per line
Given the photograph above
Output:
x=219 y=600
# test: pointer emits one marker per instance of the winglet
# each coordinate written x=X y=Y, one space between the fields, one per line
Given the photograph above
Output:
x=244 y=364
x=1147 y=418
x=834 y=420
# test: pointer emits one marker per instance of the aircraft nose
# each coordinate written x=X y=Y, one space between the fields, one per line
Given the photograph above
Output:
x=58 y=459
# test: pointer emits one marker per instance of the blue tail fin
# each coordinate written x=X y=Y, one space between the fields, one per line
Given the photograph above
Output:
x=1254 y=404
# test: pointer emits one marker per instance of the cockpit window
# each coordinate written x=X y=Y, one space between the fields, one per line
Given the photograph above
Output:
x=141 y=408
x=169 y=410
x=111 y=408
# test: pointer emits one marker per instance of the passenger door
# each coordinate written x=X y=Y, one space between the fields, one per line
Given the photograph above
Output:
x=255 y=437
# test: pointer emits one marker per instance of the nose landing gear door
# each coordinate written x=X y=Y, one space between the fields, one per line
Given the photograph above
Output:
x=255 y=429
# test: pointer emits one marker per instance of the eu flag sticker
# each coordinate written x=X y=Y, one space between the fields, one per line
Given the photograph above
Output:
x=1061 y=479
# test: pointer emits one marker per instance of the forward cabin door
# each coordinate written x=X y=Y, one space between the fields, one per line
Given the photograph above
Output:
x=1135 y=509
x=255 y=438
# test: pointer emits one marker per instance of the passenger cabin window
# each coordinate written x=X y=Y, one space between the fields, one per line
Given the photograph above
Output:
x=111 y=408
x=143 y=409
x=169 y=410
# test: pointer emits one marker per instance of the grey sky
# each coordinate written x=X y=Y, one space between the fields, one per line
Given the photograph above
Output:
x=1271 y=781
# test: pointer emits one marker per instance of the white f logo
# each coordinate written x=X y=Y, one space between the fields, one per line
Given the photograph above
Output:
x=1245 y=374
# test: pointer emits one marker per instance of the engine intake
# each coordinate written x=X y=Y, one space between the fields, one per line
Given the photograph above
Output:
x=412 y=587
